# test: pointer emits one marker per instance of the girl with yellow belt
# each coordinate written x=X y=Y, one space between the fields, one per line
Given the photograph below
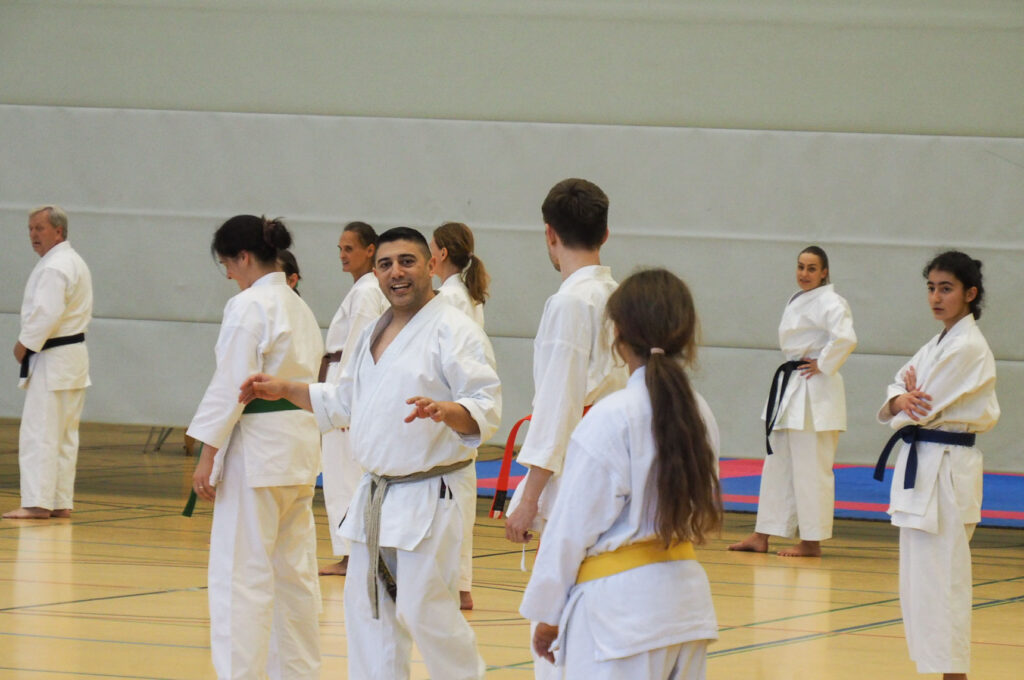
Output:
x=616 y=591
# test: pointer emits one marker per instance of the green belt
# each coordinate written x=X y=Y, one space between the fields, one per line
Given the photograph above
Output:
x=266 y=406
x=254 y=406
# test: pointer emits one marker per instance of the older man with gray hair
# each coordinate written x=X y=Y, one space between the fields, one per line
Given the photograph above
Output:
x=55 y=313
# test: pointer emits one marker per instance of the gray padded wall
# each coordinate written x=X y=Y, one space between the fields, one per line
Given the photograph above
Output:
x=728 y=210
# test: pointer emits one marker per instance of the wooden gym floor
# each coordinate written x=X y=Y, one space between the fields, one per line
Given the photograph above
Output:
x=119 y=590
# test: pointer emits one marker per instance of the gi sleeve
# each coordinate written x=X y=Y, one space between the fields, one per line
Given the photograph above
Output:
x=332 y=404
x=842 y=339
x=45 y=309
x=561 y=356
x=962 y=369
x=239 y=354
x=591 y=498
x=470 y=372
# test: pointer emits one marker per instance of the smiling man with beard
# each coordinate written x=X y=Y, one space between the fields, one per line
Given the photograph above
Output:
x=405 y=521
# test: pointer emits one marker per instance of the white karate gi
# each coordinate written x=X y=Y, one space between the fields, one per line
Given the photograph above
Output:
x=57 y=303
x=797 y=484
x=440 y=354
x=455 y=292
x=573 y=367
x=653 y=621
x=263 y=589
x=937 y=516
x=363 y=305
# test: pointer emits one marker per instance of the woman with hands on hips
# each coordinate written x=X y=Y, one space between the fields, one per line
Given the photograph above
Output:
x=805 y=412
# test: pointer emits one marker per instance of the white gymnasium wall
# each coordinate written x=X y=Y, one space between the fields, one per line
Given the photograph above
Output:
x=355 y=84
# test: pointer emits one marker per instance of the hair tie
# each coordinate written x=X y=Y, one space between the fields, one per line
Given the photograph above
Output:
x=267 y=230
x=657 y=350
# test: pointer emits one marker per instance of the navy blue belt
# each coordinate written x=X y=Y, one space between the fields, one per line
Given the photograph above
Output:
x=912 y=434
x=52 y=342
x=775 y=398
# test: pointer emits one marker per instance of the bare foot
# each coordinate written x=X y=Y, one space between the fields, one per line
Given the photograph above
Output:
x=465 y=600
x=755 y=542
x=63 y=513
x=336 y=569
x=28 y=513
x=803 y=549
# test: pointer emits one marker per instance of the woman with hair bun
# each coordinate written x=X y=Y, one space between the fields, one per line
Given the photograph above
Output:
x=464 y=282
x=939 y=401
x=616 y=590
x=258 y=466
x=804 y=414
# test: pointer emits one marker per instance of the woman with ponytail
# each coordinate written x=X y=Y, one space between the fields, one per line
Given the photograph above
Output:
x=464 y=282
x=938 y=402
x=616 y=590
x=258 y=465
x=464 y=279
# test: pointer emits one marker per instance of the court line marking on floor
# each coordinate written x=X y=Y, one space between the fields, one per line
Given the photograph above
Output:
x=82 y=674
x=168 y=591
x=839 y=631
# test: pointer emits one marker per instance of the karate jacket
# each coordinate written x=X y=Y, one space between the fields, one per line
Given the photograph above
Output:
x=440 y=354
x=58 y=302
x=266 y=328
x=959 y=373
x=604 y=503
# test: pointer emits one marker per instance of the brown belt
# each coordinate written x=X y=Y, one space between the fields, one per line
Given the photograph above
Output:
x=327 y=360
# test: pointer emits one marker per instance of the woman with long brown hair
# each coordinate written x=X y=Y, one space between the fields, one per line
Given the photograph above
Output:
x=616 y=590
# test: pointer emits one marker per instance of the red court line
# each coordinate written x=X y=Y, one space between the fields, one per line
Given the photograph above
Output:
x=875 y=507
x=492 y=482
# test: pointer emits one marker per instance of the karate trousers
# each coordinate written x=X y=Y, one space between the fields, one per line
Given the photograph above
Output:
x=684 y=661
x=798 y=488
x=263 y=589
x=341 y=477
x=426 y=610
x=48 y=444
x=468 y=509
x=935 y=586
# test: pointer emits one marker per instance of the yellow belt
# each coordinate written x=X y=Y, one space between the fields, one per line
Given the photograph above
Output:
x=631 y=556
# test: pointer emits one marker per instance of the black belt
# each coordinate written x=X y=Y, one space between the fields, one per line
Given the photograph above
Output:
x=52 y=342
x=774 y=403
x=913 y=434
